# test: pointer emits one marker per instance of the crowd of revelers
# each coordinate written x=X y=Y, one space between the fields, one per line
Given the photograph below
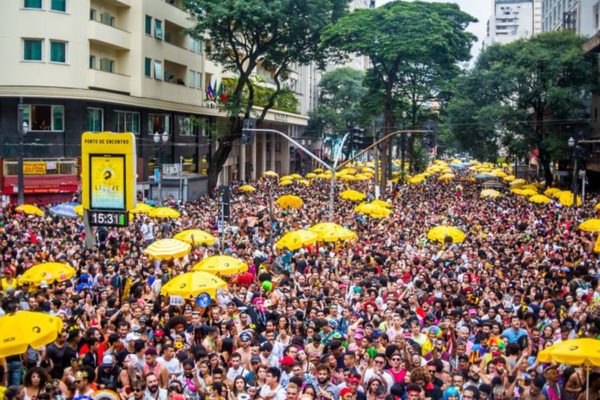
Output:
x=391 y=315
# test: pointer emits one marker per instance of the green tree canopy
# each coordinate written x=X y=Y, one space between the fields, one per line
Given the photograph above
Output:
x=522 y=95
x=244 y=34
x=403 y=39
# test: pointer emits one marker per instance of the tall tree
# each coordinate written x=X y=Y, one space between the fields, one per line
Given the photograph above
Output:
x=400 y=34
x=339 y=105
x=523 y=94
x=244 y=34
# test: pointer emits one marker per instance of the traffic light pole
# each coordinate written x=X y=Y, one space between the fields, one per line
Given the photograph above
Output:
x=331 y=168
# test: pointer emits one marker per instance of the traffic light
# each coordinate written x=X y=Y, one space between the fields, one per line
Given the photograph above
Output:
x=248 y=135
x=430 y=138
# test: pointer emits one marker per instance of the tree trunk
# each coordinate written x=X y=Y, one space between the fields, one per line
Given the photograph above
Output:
x=547 y=171
x=388 y=126
x=225 y=144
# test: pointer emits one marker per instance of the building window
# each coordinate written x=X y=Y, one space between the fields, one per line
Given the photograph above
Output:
x=58 y=5
x=32 y=49
x=92 y=14
x=148 y=67
x=158 y=123
x=148 y=25
x=107 y=65
x=158 y=70
x=95 y=119
x=32 y=4
x=195 y=45
x=58 y=51
x=158 y=29
x=44 y=118
x=185 y=126
x=92 y=62
x=126 y=121
x=191 y=78
x=198 y=80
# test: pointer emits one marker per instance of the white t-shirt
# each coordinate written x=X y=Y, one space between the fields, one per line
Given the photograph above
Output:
x=173 y=366
x=234 y=373
x=279 y=392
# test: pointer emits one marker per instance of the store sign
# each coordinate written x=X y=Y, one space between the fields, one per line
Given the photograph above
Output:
x=280 y=117
x=34 y=168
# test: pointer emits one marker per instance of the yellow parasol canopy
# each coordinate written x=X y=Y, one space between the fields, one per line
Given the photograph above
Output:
x=285 y=182
x=26 y=328
x=566 y=199
x=490 y=193
x=141 y=208
x=167 y=249
x=550 y=191
x=30 y=209
x=439 y=233
x=289 y=201
x=272 y=174
x=372 y=210
x=191 y=284
x=540 y=199
x=247 y=188
x=446 y=177
x=518 y=182
x=332 y=232
x=297 y=239
x=78 y=210
x=591 y=225
x=509 y=178
x=311 y=175
x=195 y=237
x=221 y=265
x=49 y=272
x=381 y=203
x=573 y=352
x=164 y=212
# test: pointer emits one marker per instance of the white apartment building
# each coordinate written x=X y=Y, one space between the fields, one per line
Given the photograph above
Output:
x=115 y=65
x=511 y=20
x=537 y=16
x=578 y=15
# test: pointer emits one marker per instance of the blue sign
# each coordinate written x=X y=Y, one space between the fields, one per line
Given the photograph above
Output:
x=157 y=175
x=203 y=300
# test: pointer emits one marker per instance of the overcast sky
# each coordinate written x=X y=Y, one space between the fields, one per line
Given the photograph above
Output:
x=480 y=9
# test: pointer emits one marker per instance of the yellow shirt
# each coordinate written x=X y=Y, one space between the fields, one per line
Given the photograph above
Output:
x=5 y=284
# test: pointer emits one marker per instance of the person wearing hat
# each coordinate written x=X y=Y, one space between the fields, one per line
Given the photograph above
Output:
x=286 y=364
x=108 y=374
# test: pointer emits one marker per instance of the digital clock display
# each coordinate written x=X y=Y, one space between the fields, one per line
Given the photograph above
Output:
x=108 y=218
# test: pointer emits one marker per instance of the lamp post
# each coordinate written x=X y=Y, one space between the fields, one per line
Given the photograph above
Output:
x=23 y=129
x=573 y=145
x=159 y=140
x=403 y=144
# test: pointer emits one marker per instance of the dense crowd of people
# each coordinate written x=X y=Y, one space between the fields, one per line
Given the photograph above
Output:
x=391 y=315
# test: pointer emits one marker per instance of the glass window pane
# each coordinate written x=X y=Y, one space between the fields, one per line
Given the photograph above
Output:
x=135 y=127
x=27 y=114
x=158 y=70
x=59 y=5
x=58 y=52
x=158 y=31
x=41 y=118
x=148 y=67
x=32 y=50
x=94 y=119
x=148 y=25
x=198 y=80
x=57 y=118
x=33 y=4
x=191 y=78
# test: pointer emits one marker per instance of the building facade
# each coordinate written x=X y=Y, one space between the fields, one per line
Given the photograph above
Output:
x=580 y=16
x=111 y=65
x=510 y=20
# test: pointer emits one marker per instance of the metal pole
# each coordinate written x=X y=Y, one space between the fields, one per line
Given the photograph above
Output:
x=270 y=216
x=20 y=177
x=181 y=179
x=332 y=186
x=377 y=189
x=583 y=182
x=574 y=183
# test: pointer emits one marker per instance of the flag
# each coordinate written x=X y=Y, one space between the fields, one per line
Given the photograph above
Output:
x=222 y=94
x=219 y=91
x=210 y=93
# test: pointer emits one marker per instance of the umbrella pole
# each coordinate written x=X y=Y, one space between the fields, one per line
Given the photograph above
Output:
x=587 y=382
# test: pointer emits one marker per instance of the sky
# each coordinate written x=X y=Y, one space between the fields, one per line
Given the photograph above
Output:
x=480 y=9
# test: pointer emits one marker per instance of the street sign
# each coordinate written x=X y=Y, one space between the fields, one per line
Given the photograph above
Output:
x=224 y=204
x=157 y=174
x=108 y=176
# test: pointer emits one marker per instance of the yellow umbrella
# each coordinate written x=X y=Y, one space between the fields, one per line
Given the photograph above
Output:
x=528 y=192
x=557 y=194
x=518 y=182
x=352 y=195
x=550 y=191
x=272 y=174
x=597 y=245
x=490 y=193
x=332 y=232
x=49 y=272
x=297 y=239
x=221 y=265
x=296 y=176
x=591 y=225
x=78 y=210
x=285 y=182
x=416 y=180
x=318 y=170
x=247 y=188
x=373 y=210
x=30 y=209
x=540 y=199
x=439 y=233
x=597 y=206
x=289 y=201
x=167 y=249
x=566 y=199
x=584 y=352
x=509 y=178
x=381 y=203
x=311 y=175
x=195 y=237
x=303 y=182
x=26 y=328
x=191 y=284
x=164 y=212
x=446 y=177
x=141 y=208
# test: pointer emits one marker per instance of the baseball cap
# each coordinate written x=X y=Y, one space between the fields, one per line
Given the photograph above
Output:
x=287 y=360
x=108 y=361
x=254 y=359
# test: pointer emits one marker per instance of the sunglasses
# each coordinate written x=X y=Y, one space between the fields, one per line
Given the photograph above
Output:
x=138 y=390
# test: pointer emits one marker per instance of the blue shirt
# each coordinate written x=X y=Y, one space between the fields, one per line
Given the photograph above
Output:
x=513 y=335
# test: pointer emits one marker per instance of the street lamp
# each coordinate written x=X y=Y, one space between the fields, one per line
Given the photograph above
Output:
x=573 y=145
x=158 y=138
x=23 y=130
x=403 y=143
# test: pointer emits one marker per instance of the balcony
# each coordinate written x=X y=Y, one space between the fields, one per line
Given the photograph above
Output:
x=175 y=35
x=97 y=79
x=108 y=35
x=175 y=73
x=176 y=3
